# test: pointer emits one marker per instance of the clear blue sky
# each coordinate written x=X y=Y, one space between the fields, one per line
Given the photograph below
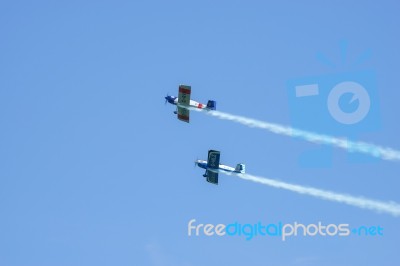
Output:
x=96 y=170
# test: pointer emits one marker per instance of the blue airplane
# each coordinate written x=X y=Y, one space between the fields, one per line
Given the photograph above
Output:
x=213 y=167
x=183 y=101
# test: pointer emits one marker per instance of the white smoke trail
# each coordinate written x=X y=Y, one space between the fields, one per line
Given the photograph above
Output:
x=351 y=146
x=390 y=207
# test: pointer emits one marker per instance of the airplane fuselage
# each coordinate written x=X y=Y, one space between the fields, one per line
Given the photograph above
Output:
x=221 y=168
x=174 y=100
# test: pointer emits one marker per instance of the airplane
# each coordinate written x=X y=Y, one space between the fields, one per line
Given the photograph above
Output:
x=183 y=101
x=213 y=167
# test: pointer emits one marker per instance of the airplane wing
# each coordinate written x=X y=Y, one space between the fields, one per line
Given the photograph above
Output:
x=184 y=95
x=184 y=99
x=212 y=177
x=213 y=159
x=212 y=163
x=183 y=114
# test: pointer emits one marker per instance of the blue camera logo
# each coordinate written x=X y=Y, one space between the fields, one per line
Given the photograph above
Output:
x=340 y=104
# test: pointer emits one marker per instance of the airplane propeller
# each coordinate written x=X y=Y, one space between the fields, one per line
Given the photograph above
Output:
x=166 y=98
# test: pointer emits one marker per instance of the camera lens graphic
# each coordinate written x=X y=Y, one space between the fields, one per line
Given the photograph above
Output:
x=359 y=93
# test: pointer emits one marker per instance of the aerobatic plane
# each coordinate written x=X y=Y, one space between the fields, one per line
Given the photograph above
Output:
x=183 y=101
x=213 y=167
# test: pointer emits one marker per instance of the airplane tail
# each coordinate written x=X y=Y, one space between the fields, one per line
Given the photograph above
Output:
x=212 y=105
x=240 y=168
